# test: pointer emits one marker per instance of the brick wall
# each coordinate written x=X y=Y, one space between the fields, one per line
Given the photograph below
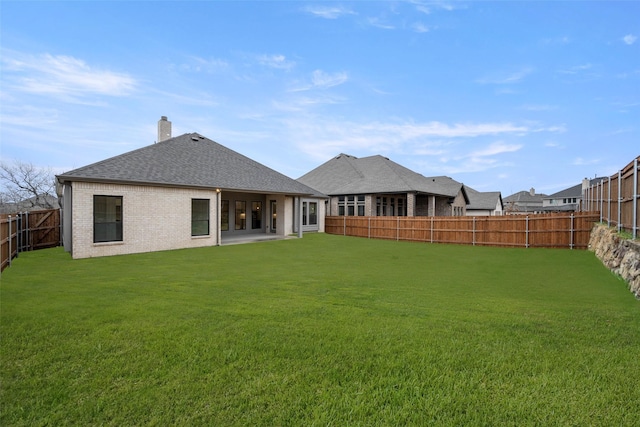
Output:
x=154 y=219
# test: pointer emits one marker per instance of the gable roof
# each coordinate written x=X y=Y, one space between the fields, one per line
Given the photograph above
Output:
x=571 y=192
x=487 y=200
x=525 y=197
x=345 y=174
x=189 y=160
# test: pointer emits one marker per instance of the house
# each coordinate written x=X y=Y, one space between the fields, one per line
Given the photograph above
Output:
x=377 y=186
x=567 y=200
x=484 y=203
x=182 y=192
x=36 y=203
x=524 y=202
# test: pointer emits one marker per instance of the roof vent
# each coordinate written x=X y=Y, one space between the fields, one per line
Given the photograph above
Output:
x=195 y=138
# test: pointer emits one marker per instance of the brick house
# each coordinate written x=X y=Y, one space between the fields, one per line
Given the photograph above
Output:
x=487 y=203
x=377 y=186
x=181 y=192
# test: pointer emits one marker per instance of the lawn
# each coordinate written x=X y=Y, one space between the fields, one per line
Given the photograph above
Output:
x=324 y=330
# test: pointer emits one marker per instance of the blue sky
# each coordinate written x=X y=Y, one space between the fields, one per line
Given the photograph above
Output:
x=502 y=96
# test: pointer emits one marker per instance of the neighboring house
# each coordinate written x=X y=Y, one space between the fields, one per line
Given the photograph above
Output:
x=484 y=203
x=182 y=192
x=524 y=202
x=377 y=186
x=567 y=200
x=39 y=203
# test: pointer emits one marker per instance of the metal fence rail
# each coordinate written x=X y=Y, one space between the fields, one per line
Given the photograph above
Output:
x=617 y=199
x=557 y=230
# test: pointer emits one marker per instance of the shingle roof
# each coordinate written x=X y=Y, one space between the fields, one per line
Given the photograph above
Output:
x=487 y=200
x=575 y=191
x=525 y=197
x=345 y=174
x=189 y=160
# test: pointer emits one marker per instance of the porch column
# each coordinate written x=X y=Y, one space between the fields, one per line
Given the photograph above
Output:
x=300 y=217
x=411 y=204
x=219 y=217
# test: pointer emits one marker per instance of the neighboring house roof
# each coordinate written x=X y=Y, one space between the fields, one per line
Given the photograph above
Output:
x=42 y=202
x=346 y=174
x=189 y=160
x=571 y=192
x=488 y=200
x=525 y=197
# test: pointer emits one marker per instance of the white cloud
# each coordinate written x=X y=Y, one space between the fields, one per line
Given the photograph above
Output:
x=63 y=76
x=377 y=22
x=495 y=149
x=506 y=78
x=576 y=69
x=329 y=12
x=279 y=62
x=629 y=39
x=419 y=27
x=321 y=79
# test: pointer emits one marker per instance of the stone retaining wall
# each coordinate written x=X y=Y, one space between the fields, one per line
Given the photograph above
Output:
x=621 y=256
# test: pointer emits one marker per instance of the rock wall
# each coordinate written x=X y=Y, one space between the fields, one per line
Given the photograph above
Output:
x=621 y=256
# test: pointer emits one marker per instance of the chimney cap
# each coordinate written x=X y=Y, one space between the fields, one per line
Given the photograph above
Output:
x=163 y=118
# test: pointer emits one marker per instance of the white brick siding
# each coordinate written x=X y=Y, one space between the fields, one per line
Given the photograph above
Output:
x=154 y=219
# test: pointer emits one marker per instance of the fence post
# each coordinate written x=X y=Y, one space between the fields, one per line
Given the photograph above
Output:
x=431 y=229
x=10 y=230
x=473 y=235
x=344 y=225
x=571 y=238
x=609 y=203
x=369 y=227
x=619 y=200
x=526 y=232
x=635 y=198
x=397 y=229
x=601 y=196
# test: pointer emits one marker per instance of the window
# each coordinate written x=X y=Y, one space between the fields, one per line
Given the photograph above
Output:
x=199 y=217
x=351 y=205
x=313 y=213
x=107 y=219
x=224 y=216
x=256 y=215
x=241 y=215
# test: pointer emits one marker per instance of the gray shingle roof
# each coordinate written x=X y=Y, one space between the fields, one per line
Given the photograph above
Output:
x=487 y=200
x=345 y=174
x=571 y=192
x=189 y=160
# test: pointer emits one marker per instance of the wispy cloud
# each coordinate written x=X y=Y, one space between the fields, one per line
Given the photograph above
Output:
x=580 y=161
x=538 y=107
x=324 y=80
x=329 y=12
x=629 y=39
x=321 y=80
x=419 y=27
x=505 y=78
x=279 y=62
x=379 y=23
x=576 y=69
x=65 y=77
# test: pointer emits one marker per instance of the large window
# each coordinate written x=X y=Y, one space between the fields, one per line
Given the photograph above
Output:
x=241 y=215
x=309 y=213
x=199 y=217
x=107 y=219
x=351 y=205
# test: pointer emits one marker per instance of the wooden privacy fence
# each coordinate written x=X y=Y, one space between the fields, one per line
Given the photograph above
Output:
x=28 y=231
x=617 y=199
x=557 y=230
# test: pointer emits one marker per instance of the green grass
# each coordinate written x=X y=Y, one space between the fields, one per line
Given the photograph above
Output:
x=326 y=330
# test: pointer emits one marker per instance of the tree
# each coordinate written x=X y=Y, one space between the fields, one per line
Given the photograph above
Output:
x=27 y=185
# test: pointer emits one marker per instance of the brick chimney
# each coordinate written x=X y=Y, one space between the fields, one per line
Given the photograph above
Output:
x=164 y=129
